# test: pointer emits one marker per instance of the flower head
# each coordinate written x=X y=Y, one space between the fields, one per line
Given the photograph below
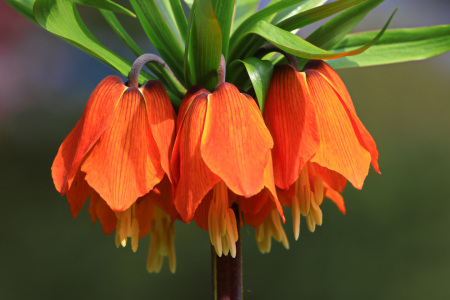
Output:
x=118 y=154
x=319 y=141
x=221 y=156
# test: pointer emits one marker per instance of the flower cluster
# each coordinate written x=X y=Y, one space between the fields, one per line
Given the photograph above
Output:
x=219 y=161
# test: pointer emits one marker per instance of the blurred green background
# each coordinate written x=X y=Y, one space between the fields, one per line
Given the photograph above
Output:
x=392 y=244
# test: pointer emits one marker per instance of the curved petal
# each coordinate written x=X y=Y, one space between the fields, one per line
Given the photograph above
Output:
x=99 y=210
x=270 y=185
x=235 y=141
x=291 y=119
x=256 y=208
x=97 y=116
x=78 y=193
x=333 y=179
x=124 y=164
x=191 y=94
x=335 y=197
x=363 y=135
x=340 y=149
x=195 y=178
x=161 y=117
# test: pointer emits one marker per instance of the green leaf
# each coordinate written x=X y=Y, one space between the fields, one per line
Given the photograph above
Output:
x=180 y=18
x=204 y=48
x=106 y=4
x=167 y=10
x=243 y=10
x=224 y=14
x=24 y=7
x=160 y=34
x=297 y=46
x=248 y=47
x=337 y=28
x=266 y=14
x=121 y=32
x=289 y=12
x=396 y=45
x=316 y=14
x=260 y=73
x=61 y=18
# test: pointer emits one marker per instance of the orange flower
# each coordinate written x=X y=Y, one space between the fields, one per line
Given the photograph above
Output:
x=116 y=154
x=221 y=156
x=319 y=141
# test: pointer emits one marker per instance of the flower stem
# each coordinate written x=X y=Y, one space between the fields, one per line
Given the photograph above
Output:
x=166 y=72
x=266 y=49
x=222 y=71
x=227 y=271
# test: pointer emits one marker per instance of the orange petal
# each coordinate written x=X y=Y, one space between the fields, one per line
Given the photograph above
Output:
x=187 y=99
x=145 y=213
x=96 y=118
x=195 y=178
x=124 y=164
x=78 y=193
x=363 y=135
x=335 y=197
x=99 y=210
x=161 y=117
x=201 y=214
x=333 y=179
x=191 y=94
x=235 y=142
x=270 y=185
x=291 y=119
x=252 y=217
x=340 y=149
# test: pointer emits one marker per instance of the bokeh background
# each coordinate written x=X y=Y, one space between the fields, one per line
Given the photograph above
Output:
x=394 y=242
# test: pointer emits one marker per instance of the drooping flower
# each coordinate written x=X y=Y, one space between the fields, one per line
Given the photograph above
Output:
x=222 y=155
x=116 y=154
x=319 y=141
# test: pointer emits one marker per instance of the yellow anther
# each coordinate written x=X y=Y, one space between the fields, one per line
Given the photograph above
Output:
x=127 y=226
x=270 y=227
x=162 y=243
x=222 y=222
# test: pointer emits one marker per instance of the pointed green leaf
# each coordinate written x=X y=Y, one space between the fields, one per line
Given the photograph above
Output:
x=316 y=14
x=337 y=28
x=160 y=34
x=396 y=45
x=249 y=46
x=265 y=14
x=166 y=8
x=121 y=32
x=297 y=46
x=243 y=10
x=289 y=12
x=24 y=7
x=260 y=73
x=205 y=45
x=61 y=18
x=106 y=4
x=224 y=14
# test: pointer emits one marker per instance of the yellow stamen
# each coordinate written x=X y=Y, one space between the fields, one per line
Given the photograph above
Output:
x=127 y=226
x=270 y=227
x=222 y=222
x=162 y=243
x=307 y=201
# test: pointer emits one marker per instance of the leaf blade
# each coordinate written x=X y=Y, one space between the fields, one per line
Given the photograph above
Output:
x=260 y=73
x=396 y=45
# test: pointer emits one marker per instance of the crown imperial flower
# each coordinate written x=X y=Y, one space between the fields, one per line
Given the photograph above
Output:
x=221 y=156
x=319 y=141
x=117 y=154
